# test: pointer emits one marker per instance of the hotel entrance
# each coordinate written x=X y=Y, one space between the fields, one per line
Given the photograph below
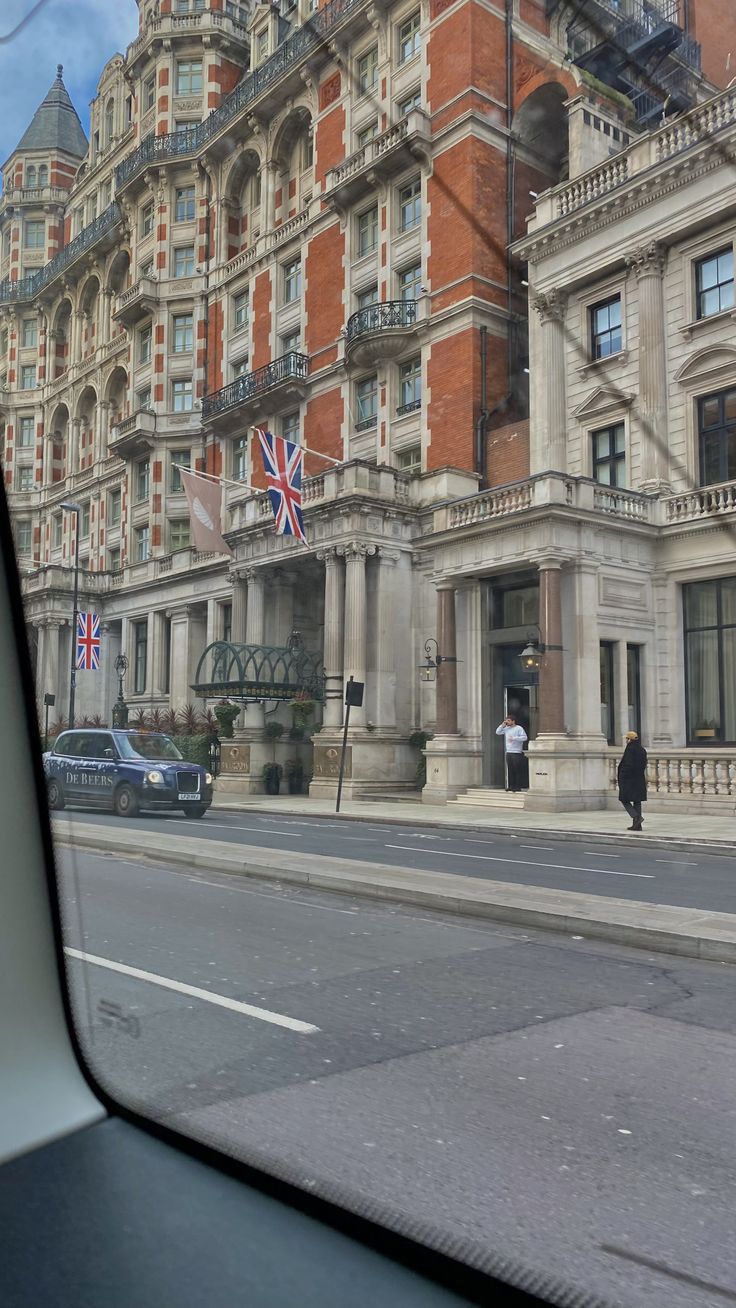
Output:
x=509 y=689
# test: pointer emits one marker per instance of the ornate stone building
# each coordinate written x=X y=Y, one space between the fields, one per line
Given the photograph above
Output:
x=299 y=217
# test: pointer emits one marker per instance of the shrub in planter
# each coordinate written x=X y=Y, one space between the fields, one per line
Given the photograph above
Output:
x=273 y=730
x=271 y=774
x=418 y=740
x=295 y=776
x=195 y=748
x=226 y=715
x=302 y=712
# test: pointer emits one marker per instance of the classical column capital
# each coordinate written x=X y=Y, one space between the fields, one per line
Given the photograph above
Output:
x=253 y=576
x=647 y=260
x=387 y=555
x=546 y=562
x=356 y=549
x=330 y=555
x=550 y=305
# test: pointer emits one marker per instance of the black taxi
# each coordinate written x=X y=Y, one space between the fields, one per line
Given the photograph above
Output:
x=125 y=771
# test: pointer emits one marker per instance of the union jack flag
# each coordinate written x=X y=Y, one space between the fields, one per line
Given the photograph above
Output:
x=283 y=464
x=88 y=642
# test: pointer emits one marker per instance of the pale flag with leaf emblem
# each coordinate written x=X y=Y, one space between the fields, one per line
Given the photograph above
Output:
x=205 y=506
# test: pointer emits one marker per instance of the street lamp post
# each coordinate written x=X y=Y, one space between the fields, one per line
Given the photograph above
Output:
x=120 y=708
x=76 y=509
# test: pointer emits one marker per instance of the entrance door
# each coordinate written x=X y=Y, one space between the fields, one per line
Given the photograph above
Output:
x=517 y=703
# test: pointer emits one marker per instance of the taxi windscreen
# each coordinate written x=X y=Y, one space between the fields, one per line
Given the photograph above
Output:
x=149 y=747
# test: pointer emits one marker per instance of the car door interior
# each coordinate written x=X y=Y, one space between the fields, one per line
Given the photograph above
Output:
x=99 y=1206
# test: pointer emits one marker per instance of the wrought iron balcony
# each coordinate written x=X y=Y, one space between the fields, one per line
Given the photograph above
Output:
x=28 y=287
x=293 y=51
x=382 y=330
x=248 y=393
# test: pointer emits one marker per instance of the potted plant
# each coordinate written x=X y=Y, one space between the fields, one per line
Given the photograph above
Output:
x=271 y=778
x=418 y=740
x=273 y=730
x=295 y=776
x=226 y=715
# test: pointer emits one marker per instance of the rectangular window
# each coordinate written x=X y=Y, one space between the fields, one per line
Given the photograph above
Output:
x=714 y=283
x=633 y=688
x=366 y=134
x=25 y=432
x=183 y=330
x=145 y=338
x=147 y=213
x=30 y=333
x=179 y=537
x=241 y=308
x=292 y=281
x=409 y=39
x=710 y=661
x=241 y=368
x=410 y=460
x=261 y=46
x=410 y=282
x=717 y=437
x=184 y=204
x=143 y=398
x=28 y=377
x=184 y=261
x=226 y=621
x=114 y=502
x=410 y=205
x=35 y=235
x=608 y=712
x=609 y=455
x=184 y=125
x=189 y=77
x=57 y=531
x=367 y=231
x=366 y=396
x=290 y=427
x=184 y=458
x=181 y=393
x=166 y=656
x=149 y=93
x=364 y=299
x=140 y=651
x=368 y=70
x=113 y=559
x=24 y=477
x=412 y=101
x=84 y=522
x=240 y=458
x=410 y=386
x=605 y=328
x=142 y=479
x=141 y=543
x=147 y=268
x=23 y=532
x=292 y=341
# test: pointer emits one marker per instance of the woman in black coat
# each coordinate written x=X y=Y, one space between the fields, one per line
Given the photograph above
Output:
x=632 y=779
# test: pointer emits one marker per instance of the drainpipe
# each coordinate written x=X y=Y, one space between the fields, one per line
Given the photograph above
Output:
x=482 y=420
x=206 y=296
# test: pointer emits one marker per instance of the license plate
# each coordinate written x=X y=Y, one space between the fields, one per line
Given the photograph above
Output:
x=190 y=794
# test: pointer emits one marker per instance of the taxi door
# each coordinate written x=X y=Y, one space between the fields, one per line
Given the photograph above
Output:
x=96 y=769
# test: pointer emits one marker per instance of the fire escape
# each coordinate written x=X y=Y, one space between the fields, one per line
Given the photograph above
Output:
x=638 y=48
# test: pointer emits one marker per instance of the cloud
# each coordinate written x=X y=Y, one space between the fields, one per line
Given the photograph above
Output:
x=80 y=34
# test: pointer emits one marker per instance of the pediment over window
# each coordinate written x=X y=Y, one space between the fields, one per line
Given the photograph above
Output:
x=602 y=401
x=712 y=364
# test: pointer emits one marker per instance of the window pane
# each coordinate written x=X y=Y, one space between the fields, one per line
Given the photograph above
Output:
x=728 y=600
x=701 y=604
x=728 y=654
x=702 y=682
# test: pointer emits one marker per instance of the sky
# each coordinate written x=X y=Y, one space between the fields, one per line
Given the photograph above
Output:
x=80 y=34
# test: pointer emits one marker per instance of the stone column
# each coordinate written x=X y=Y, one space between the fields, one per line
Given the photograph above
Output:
x=75 y=349
x=268 y=194
x=620 y=690
x=447 y=671
x=105 y=323
x=333 y=636
x=255 y=620
x=386 y=644
x=647 y=263
x=551 y=692
x=75 y=452
x=102 y=434
x=551 y=307
x=355 y=618
x=239 y=603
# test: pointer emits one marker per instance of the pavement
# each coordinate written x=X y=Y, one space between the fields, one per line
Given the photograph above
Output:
x=610 y=824
x=628 y=893
x=556 y=1103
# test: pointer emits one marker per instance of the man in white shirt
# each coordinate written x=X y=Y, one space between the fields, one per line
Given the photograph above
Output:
x=515 y=739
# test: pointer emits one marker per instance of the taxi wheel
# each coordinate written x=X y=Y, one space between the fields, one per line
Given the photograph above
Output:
x=55 y=796
x=195 y=810
x=126 y=802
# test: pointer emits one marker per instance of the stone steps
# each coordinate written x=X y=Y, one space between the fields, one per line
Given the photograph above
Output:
x=488 y=797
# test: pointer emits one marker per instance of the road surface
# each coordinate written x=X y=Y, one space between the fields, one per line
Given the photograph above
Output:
x=565 y=1105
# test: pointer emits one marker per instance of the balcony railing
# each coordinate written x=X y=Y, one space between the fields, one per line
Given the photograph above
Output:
x=382 y=316
x=290 y=367
x=29 y=286
x=292 y=51
x=686 y=772
x=707 y=502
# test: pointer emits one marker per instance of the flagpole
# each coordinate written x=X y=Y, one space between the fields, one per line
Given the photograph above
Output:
x=213 y=476
x=308 y=449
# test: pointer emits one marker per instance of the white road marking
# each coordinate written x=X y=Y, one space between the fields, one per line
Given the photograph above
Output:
x=491 y=858
x=235 y=1005
x=683 y=862
x=549 y=847
x=228 y=826
x=471 y=840
x=263 y=894
x=597 y=854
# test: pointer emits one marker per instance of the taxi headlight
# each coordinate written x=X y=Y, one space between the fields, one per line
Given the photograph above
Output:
x=208 y=778
x=155 y=778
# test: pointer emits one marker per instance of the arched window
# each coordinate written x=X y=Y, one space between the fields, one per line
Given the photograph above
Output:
x=31 y=176
x=109 y=120
x=43 y=175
